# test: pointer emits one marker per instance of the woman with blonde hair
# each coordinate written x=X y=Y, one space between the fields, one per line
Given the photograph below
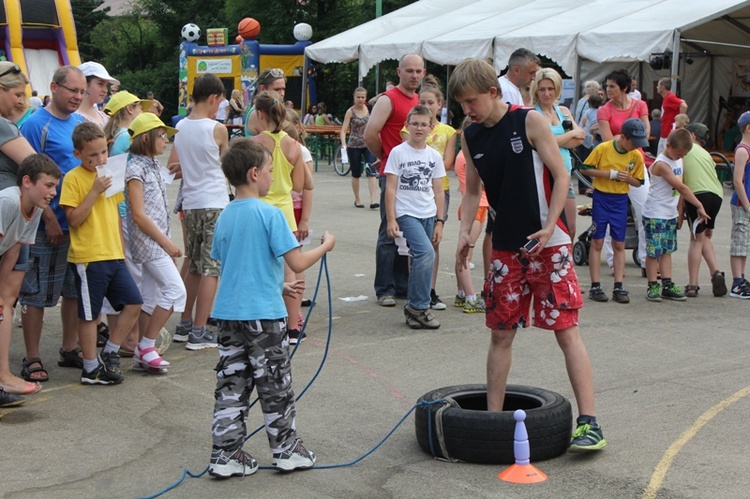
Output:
x=545 y=92
x=236 y=108
x=13 y=150
x=267 y=122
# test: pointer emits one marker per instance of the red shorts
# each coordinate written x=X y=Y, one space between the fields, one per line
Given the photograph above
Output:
x=549 y=277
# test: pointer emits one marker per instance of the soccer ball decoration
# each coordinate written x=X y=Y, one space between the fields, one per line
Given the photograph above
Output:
x=190 y=32
x=303 y=32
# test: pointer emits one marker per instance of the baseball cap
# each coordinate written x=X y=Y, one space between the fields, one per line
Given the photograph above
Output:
x=122 y=99
x=95 y=69
x=635 y=130
x=145 y=122
x=744 y=119
x=699 y=130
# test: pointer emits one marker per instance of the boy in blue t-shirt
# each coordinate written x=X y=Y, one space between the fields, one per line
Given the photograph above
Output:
x=252 y=240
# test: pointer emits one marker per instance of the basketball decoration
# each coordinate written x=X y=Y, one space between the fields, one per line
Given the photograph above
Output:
x=238 y=39
x=248 y=28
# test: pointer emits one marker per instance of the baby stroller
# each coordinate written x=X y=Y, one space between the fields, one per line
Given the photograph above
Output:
x=583 y=241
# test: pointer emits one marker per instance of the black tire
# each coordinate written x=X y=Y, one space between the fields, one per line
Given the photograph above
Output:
x=635 y=258
x=580 y=256
x=340 y=168
x=474 y=435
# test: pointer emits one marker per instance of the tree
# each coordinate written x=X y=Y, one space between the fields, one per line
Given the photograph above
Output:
x=88 y=14
x=141 y=47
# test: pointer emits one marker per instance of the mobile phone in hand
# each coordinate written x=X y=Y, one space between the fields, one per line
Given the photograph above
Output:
x=531 y=246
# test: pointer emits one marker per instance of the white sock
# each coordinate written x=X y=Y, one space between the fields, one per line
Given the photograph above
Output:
x=460 y=293
x=90 y=364
x=111 y=347
x=146 y=343
x=471 y=298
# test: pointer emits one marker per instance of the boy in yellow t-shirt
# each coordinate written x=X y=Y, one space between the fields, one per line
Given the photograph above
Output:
x=96 y=256
x=615 y=165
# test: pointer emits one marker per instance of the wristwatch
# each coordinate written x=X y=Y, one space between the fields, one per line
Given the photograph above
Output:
x=441 y=220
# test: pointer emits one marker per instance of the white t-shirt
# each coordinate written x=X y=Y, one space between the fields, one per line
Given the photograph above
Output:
x=662 y=198
x=35 y=102
x=221 y=114
x=635 y=94
x=511 y=93
x=15 y=226
x=415 y=168
x=203 y=182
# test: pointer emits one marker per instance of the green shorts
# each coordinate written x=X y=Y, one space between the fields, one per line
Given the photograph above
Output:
x=199 y=225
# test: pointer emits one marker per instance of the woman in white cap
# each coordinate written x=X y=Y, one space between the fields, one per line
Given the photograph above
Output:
x=122 y=109
x=97 y=79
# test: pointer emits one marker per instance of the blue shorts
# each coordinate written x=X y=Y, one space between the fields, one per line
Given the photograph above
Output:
x=610 y=209
x=97 y=280
x=661 y=236
x=47 y=273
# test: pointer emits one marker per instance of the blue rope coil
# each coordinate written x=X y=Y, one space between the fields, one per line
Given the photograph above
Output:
x=323 y=268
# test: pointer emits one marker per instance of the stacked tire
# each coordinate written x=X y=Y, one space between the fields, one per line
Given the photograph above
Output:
x=473 y=434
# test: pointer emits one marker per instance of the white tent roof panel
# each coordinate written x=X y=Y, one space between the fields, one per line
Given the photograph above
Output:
x=448 y=31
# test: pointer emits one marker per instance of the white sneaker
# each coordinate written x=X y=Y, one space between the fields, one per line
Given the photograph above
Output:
x=294 y=458
x=238 y=464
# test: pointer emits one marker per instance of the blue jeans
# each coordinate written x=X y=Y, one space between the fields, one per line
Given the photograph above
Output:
x=418 y=233
x=391 y=269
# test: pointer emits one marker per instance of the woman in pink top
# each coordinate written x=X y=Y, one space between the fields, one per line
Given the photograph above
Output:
x=619 y=106
x=610 y=117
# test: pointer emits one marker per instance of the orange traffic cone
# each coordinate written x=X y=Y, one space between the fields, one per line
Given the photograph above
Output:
x=523 y=471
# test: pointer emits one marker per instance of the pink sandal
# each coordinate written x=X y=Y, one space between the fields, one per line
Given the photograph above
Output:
x=155 y=364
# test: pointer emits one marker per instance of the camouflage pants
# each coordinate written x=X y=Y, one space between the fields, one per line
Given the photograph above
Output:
x=253 y=353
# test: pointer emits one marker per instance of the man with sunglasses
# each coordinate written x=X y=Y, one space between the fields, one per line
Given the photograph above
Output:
x=269 y=79
x=49 y=130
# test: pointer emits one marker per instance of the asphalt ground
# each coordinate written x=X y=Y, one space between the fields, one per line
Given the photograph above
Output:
x=671 y=383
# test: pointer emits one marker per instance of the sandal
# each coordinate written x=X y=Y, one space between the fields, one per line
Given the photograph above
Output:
x=70 y=358
x=27 y=370
x=102 y=334
x=691 y=291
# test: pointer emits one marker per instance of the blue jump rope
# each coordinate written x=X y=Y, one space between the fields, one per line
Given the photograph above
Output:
x=323 y=268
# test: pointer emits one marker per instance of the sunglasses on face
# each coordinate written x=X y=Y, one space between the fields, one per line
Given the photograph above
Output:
x=15 y=69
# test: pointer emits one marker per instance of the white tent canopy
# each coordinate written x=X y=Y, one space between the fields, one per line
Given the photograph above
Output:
x=448 y=31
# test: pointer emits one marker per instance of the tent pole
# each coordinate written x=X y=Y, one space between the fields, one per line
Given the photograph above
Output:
x=710 y=115
x=305 y=69
x=675 y=60
x=577 y=85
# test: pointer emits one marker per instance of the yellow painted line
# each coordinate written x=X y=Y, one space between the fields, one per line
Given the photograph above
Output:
x=657 y=477
x=363 y=312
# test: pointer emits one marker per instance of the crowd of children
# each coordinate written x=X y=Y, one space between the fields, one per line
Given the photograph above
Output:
x=246 y=207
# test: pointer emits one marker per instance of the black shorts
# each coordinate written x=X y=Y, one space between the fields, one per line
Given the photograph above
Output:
x=490 y=222
x=711 y=203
